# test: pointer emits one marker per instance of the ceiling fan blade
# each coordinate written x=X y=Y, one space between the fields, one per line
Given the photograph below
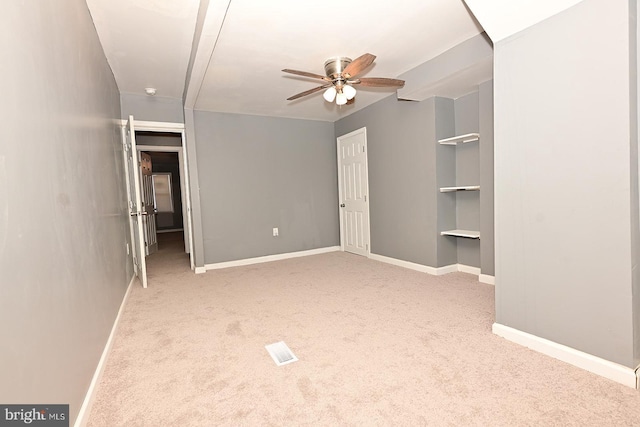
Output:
x=358 y=65
x=306 y=74
x=378 y=82
x=308 y=92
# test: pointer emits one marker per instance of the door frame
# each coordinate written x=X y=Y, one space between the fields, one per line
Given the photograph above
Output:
x=362 y=130
x=183 y=166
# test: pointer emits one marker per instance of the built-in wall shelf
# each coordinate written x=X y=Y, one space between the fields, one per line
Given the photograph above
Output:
x=462 y=188
x=460 y=139
x=468 y=234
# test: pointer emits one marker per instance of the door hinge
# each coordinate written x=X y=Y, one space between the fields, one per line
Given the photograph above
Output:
x=363 y=148
x=367 y=245
x=365 y=197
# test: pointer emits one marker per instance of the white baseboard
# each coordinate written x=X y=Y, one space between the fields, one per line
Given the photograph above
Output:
x=434 y=271
x=485 y=278
x=439 y=271
x=200 y=270
x=586 y=361
x=85 y=409
x=414 y=266
x=468 y=269
x=268 y=258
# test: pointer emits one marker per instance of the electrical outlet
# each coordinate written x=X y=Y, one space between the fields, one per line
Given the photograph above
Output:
x=275 y=231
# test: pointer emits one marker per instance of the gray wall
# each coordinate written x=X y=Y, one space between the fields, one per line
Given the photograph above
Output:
x=63 y=223
x=256 y=173
x=562 y=181
x=406 y=169
x=446 y=165
x=401 y=139
x=467 y=120
x=152 y=108
x=485 y=92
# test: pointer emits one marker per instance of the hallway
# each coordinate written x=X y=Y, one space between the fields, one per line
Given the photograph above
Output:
x=170 y=255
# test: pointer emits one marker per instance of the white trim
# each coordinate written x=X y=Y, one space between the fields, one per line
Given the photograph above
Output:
x=468 y=269
x=439 y=271
x=434 y=271
x=586 y=361
x=268 y=258
x=200 y=270
x=156 y=126
x=85 y=409
x=414 y=266
x=186 y=194
x=485 y=278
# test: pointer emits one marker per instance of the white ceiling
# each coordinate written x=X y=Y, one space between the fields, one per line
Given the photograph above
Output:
x=502 y=18
x=149 y=43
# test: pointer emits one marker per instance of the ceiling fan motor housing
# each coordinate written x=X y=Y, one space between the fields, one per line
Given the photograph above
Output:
x=333 y=68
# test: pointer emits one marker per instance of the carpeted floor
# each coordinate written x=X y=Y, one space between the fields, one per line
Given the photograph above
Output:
x=378 y=345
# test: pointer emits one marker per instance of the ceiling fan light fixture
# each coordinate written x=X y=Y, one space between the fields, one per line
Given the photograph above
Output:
x=330 y=94
x=349 y=92
x=340 y=74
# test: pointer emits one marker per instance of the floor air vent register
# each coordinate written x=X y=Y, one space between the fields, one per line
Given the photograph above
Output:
x=280 y=353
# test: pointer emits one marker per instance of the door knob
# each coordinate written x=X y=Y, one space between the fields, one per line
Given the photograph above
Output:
x=342 y=205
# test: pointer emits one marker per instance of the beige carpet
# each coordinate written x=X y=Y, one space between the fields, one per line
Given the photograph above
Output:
x=378 y=345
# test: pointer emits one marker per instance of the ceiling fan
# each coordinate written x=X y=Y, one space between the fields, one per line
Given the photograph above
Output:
x=341 y=74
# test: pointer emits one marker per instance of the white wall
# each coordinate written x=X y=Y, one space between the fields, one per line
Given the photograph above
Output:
x=562 y=180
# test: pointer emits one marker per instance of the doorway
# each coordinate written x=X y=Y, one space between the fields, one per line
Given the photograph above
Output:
x=156 y=137
x=167 y=179
x=166 y=192
x=353 y=192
